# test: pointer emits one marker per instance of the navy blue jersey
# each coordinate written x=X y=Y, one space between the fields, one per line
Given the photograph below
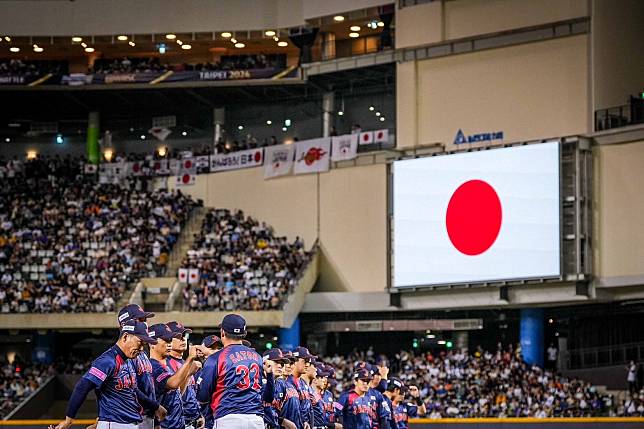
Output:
x=144 y=379
x=356 y=411
x=317 y=405
x=380 y=407
x=402 y=413
x=114 y=376
x=306 y=392
x=328 y=402
x=204 y=408
x=271 y=417
x=392 y=421
x=169 y=398
x=191 y=411
x=287 y=402
x=231 y=381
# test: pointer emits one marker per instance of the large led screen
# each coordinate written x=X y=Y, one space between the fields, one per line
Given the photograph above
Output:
x=477 y=217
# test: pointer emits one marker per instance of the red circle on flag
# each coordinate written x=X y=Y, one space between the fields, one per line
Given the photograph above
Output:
x=187 y=164
x=185 y=178
x=474 y=216
x=258 y=156
x=380 y=135
x=136 y=168
x=365 y=137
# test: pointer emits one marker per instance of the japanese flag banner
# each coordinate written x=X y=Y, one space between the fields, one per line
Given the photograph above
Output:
x=481 y=216
x=183 y=275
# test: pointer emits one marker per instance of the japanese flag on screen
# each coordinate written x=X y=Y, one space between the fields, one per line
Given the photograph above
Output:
x=477 y=217
x=183 y=275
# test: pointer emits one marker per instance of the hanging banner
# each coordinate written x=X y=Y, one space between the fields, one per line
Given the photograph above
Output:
x=381 y=136
x=279 y=160
x=366 y=137
x=344 y=147
x=233 y=161
x=312 y=156
x=187 y=172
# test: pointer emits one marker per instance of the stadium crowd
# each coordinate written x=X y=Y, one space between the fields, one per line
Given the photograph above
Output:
x=70 y=245
x=17 y=382
x=18 y=67
x=242 y=265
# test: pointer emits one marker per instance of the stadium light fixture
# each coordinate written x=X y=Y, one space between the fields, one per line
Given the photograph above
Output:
x=185 y=46
x=354 y=28
x=240 y=45
x=32 y=154
x=284 y=129
x=378 y=113
x=38 y=49
x=60 y=139
x=277 y=39
x=142 y=136
x=282 y=44
x=170 y=36
x=179 y=42
x=14 y=49
x=8 y=140
x=269 y=122
x=338 y=18
x=7 y=38
x=77 y=39
x=287 y=122
x=84 y=45
x=184 y=133
x=226 y=34
x=371 y=108
x=354 y=35
x=441 y=342
x=240 y=127
x=162 y=48
x=382 y=119
x=162 y=151
x=89 y=50
x=340 y=113
x=269 y=33
x=131 y=43
x=107 y=154
x=380 y=24
x=122 y=38
x=233 y=40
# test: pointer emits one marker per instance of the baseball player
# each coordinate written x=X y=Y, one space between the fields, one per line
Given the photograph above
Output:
x=402 y=411
x=303 y=361
x=231 y=380
x=286 y=400
x=191 y=408
x=354 y=407
x=113 y=377
x=328 y=400
x=210 y=345
x=380 y=406
x=169 y=385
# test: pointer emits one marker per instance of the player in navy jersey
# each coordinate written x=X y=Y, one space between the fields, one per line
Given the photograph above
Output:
x=191 y=410
x=231 y=380
x=285 y=399
x=210 y=344
x=303 y=361
x=328 y=400
x=380 y=406
x=169 y=385
x=113 y=377
x=354 y=407
x=290 y=407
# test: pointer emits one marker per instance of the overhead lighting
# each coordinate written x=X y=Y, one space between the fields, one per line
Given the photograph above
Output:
x=441 y=342
x=89 y=50
x=142 y=136
x=377 y=113
x=381 y=24
x=84 y=45
x=269 y=122
x=284 y=129
x=233 y=40
x=186 y=46
x=354 y=28
x=122 y=38
x=32 y=154
x=226 y=35
x=60 y=139
x=240 y=45
x=277 y=39
x=340 y=113
x=108 y=153
x=287 y=122
x=382 y=119
x=162 y=48
x=179 y=42
x=7 y=38
x=184 y=133
x=77 y=39
x=38 y=49
x=338 y=18
x=354 y=35
x=371 y=108
x=240 y=127
x=8 y=140
x=269 y=33
x=14 y=49
x=162 y=151
x=131 y=43
x=282 y=44
x=170 y=36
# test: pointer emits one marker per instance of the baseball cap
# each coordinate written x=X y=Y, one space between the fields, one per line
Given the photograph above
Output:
x=322 y=370
x=396 y=383
x=362 y=374
x=234 y=324
x=138 y=329
x=178 y=328
x=288 y=356
x=302 y=353
x=163 y=331
x=275 y=355
x=210 y=341
x=133 y=312
x=331 y=370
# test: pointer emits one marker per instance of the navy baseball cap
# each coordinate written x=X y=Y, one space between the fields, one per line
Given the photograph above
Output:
x=275 y=355
x=289 y=356
x=178 y=328
x=133 y=312
x=234 y=324
x=163 y=331
x=331 y=370
x=138 y=329
x=211 y=341
x=396 y=383
x=362 y=374
x=302 y=353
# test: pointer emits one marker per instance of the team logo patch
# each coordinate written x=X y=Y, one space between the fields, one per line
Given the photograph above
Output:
x=124 y=316
x=128 y=328
x=97 y=373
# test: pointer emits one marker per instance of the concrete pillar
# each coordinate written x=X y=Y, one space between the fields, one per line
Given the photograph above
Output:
x=328 y=112
x=219 y=118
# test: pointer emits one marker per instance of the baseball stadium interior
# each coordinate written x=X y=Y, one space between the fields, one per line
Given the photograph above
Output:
x=440 y=200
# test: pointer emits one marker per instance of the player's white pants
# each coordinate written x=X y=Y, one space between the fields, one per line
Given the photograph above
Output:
x=239 y=421
x=113 y=425
x=147 y=423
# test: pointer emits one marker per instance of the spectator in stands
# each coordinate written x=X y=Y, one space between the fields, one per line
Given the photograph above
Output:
x=631 y=377
x=18 y=382
x=243 y=266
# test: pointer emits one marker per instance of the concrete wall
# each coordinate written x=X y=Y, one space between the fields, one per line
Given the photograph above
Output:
x=439 y=21
x=531 y=91
x=618 y=62
x=618 y=207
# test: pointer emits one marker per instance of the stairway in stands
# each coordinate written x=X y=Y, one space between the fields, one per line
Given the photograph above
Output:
x=156 y=290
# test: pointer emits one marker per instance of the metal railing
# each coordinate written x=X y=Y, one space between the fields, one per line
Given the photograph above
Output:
x=603 y=356
x=620 y=116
